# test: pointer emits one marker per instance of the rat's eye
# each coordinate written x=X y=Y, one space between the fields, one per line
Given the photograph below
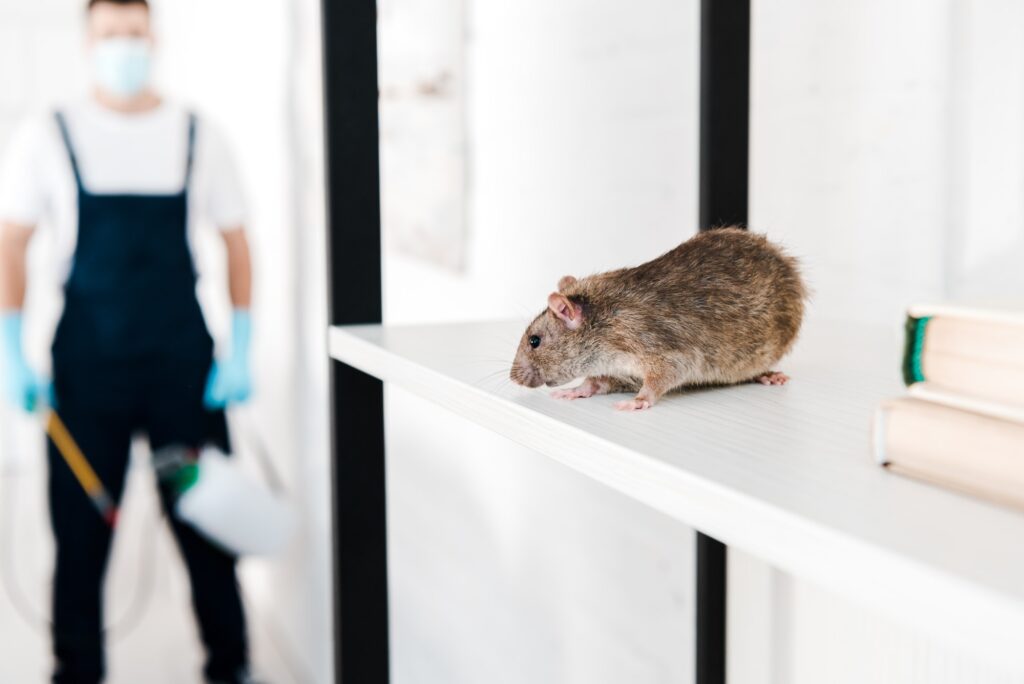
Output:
x=534 y=341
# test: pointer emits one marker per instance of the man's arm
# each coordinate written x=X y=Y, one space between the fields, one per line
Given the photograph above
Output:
x=239 y=267
x=23 y=387
x=229 y=381
x=14 y=239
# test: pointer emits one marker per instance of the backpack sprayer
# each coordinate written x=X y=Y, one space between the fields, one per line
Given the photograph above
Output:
x=208 y=491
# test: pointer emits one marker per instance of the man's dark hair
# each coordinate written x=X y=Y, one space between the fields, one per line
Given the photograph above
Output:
x=145 y=3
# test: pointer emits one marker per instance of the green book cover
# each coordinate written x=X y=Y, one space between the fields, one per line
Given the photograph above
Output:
x=915 y=329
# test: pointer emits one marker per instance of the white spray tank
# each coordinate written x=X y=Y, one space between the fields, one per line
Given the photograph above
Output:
x=222 y=502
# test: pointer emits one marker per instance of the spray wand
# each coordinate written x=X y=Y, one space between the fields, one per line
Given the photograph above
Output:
x=81 y=468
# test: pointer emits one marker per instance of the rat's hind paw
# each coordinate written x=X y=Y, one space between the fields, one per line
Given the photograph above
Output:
x=584 y=391
x=636 y=404
x=772 y=378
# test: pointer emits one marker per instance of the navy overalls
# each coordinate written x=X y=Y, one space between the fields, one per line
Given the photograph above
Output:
x=131 y=354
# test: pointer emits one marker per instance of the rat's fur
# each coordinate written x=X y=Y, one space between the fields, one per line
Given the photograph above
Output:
x=721 y=308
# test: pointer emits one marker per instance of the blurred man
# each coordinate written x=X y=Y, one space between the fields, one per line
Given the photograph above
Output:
x=120 y=179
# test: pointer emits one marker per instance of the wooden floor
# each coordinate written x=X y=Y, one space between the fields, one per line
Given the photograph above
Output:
x=153 y=637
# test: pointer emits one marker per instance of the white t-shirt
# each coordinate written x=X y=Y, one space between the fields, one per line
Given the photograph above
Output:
x=117 y=153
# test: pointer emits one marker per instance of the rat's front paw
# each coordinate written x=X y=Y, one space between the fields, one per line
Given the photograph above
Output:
x=636 y=404
x=589 y=388
x=581 y=392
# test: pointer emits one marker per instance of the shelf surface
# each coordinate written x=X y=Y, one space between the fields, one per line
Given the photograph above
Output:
x=783 y=473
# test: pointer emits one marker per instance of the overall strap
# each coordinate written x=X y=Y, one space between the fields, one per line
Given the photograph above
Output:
x=63 y=125
x=191 y=149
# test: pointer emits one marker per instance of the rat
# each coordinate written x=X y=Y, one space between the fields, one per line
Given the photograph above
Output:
x=721 y=308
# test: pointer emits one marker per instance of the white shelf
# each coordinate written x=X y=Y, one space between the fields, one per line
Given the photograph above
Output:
x=783 y=473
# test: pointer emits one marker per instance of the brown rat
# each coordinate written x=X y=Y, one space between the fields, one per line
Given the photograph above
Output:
x=721 y=308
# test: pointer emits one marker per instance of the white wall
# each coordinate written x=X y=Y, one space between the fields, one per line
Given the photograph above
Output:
x=36 y=39
x=849 y=121
x=986 y=202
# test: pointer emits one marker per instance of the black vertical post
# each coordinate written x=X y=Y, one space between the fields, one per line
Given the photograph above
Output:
x=711 y=595
x=724 y=112
x=724 y=176
x=357 y=399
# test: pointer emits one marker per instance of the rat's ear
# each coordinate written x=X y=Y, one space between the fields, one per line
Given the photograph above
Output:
x=562 y=306
x=565 y=282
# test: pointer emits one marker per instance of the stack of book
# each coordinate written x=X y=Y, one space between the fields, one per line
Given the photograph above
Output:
x=962 y=424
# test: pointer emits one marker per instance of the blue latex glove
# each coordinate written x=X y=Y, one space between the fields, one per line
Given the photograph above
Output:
x=229 y=381
x=23 y=387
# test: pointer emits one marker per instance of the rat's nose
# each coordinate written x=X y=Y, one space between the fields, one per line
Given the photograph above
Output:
x=525 y=375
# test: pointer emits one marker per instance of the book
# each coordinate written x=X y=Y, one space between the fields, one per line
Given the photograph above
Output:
x=977 y=353
x=958 y=449
x=929 y=392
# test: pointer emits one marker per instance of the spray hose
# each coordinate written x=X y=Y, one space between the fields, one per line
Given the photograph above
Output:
x=81 y=468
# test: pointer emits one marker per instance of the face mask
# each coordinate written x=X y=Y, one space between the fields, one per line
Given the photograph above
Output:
x=121 y=65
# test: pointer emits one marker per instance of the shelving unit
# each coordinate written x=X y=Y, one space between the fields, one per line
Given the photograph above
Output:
x=782 y=473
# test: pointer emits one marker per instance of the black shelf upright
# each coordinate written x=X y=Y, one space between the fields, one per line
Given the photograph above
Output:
x=724 y=188
x=361 y=651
